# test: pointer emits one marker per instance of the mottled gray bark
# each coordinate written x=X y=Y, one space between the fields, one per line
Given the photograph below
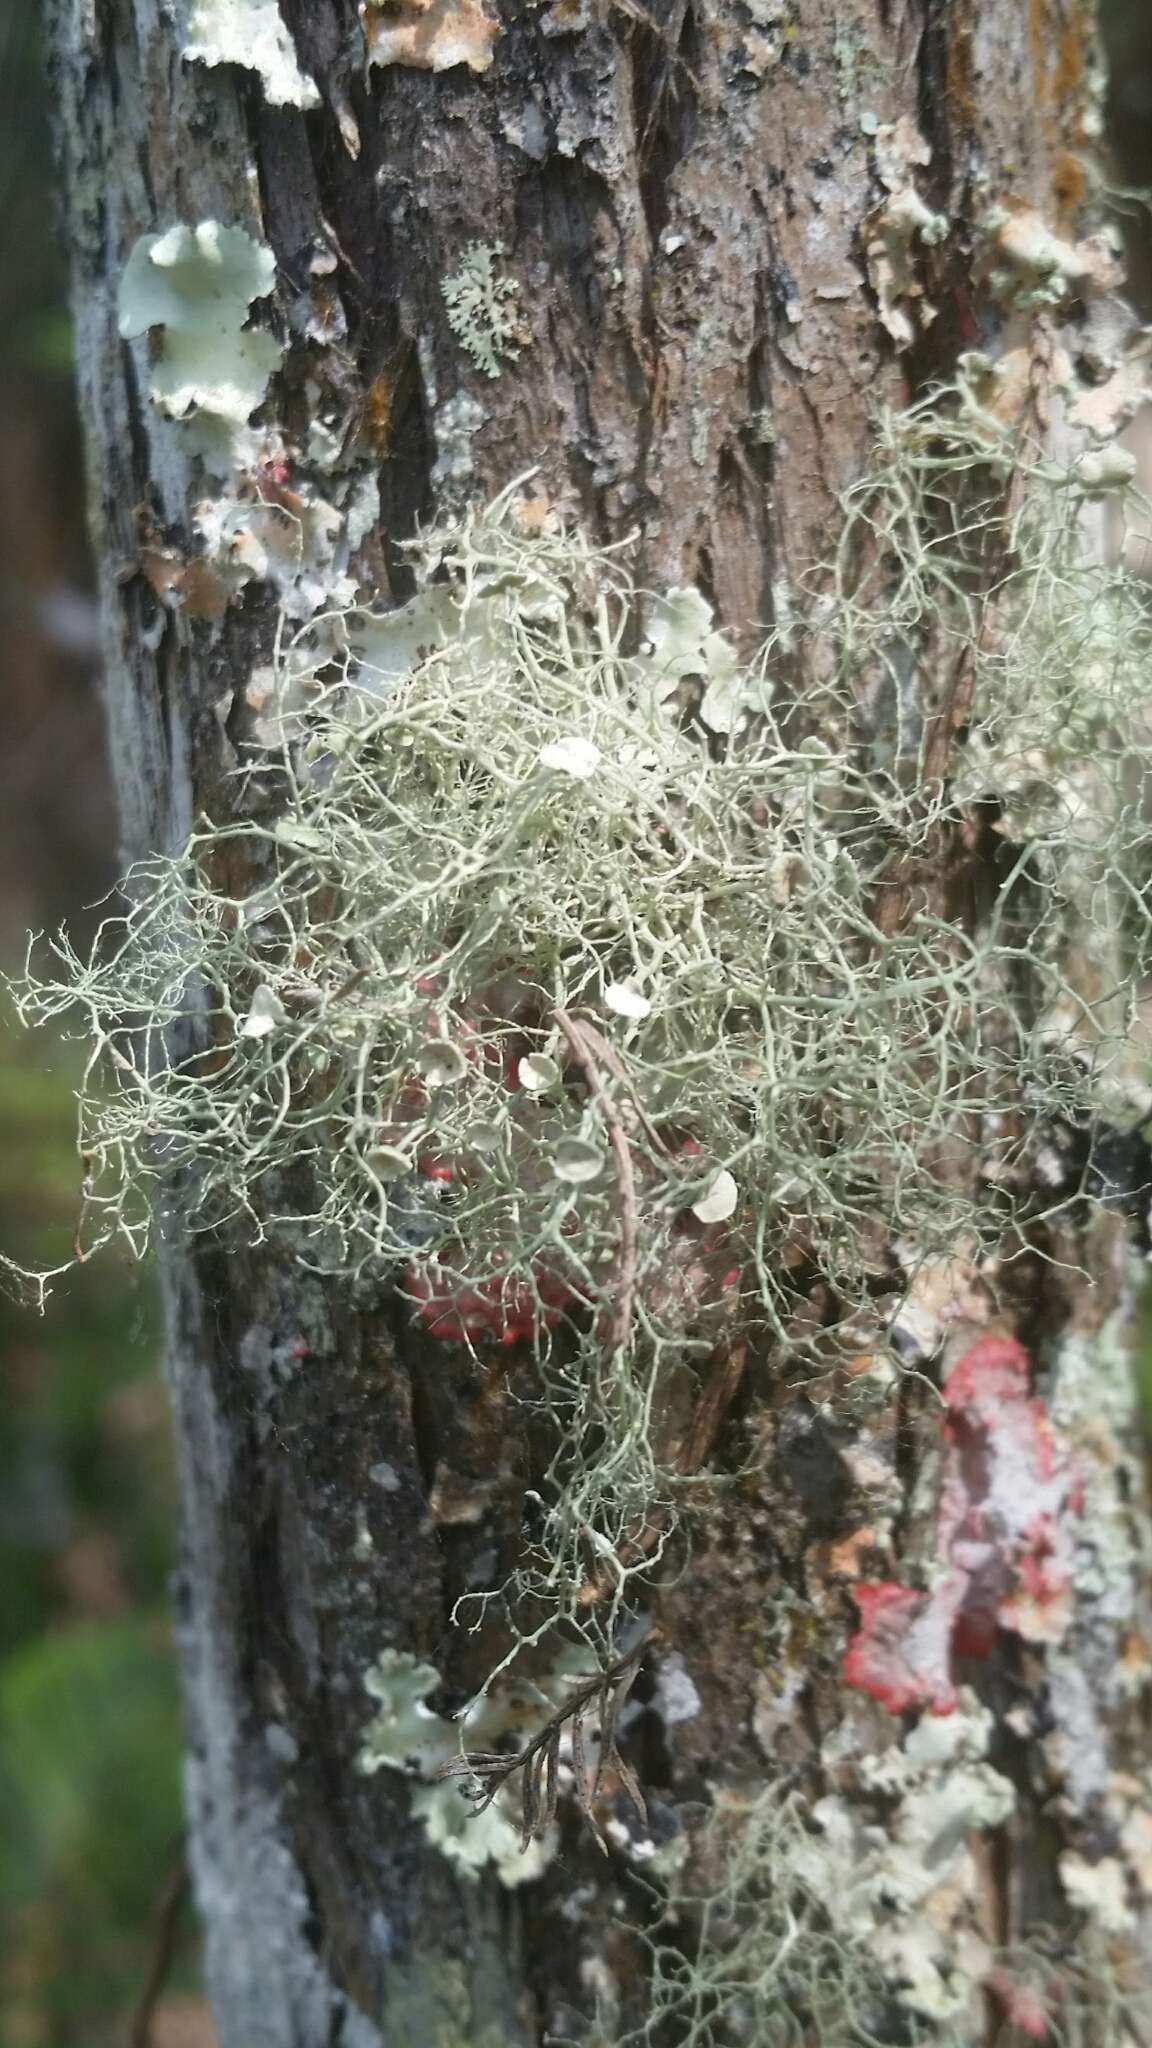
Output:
x=687 y=195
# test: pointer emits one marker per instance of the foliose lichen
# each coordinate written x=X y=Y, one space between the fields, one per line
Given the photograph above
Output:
x=484 y=309
x=193 y=287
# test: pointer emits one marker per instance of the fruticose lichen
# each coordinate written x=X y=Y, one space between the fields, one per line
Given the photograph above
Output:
x=193 y=287
x=604 y=993
x=590 y=980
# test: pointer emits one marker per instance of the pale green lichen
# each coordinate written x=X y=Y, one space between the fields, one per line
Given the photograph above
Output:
x=193 y=287
x=1036 y=268
x=299 y=542
x=484 y=309
x=406 y=1735
x=856 y=1919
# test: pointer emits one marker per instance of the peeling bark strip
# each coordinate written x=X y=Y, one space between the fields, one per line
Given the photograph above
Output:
x=334 y=270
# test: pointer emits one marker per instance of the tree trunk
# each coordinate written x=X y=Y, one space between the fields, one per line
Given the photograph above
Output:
x=733 y=231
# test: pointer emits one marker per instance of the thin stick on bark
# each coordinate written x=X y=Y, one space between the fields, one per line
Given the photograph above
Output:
x=169 y=1907
x=538 y=1760
x=728 y=1362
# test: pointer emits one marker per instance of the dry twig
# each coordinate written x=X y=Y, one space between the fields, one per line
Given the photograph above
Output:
x=169 y=1907
x=600 y=1697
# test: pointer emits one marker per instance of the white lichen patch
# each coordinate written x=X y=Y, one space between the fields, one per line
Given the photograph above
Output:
x=1100 y=1890
x=900 y=228
x=903 y=1879
x=430 y=35
x=1103 y=1670
x=1034 y=267
x=454 y=426
x=870 y=1897
x=682 y=646
x=250 y=33
x=192 y=288
x=674 y=1695
x=484 y=310
x=292 y=538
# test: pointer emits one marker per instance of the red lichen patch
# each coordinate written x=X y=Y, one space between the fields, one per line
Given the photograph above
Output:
x=496 y=1310
x=1022 y=2004
x=901 y=1653
x=1003 y=1543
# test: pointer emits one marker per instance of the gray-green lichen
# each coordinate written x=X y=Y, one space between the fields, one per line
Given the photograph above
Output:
x=484 y=312
x=405 y=1735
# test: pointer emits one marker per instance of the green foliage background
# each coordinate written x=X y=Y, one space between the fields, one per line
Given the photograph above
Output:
x=89 y=1717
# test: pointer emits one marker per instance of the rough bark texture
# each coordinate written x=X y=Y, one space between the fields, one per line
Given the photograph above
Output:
x=685 y=194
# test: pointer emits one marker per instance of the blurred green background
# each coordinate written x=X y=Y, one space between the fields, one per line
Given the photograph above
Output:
x=89 y=1720
x=90 y=1819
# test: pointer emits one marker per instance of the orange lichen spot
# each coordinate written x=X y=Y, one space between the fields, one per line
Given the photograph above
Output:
x=378 y=408
x=1068 y=71
x=1056 y=37
x=846 y=1559
x=536 y=514
x=1068 y=184
x=1038 y=43
x=163 y=568
x=430 y=35
x=206 y=596
x=382 y=402
x=1059 y=35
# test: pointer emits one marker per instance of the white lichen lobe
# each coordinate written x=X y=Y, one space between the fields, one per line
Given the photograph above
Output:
x=193 y=288
x=250 y=33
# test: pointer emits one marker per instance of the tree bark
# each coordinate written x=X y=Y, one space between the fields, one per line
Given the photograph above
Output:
x=689 y=197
